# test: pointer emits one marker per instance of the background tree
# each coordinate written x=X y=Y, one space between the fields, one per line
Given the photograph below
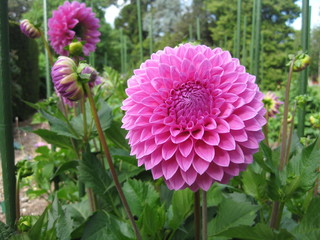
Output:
x=277 y=34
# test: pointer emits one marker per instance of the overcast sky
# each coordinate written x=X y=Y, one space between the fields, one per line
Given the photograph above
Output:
x=112 y=12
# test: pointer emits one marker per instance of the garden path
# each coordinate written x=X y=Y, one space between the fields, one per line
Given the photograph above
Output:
x=26 y=143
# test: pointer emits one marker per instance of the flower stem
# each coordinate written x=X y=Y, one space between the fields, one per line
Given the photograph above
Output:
x=83 y=110
x=290 y=133
x=18 y=195
x=277 y=207
x=109 y=159
x=285 y=120
x=197 y=215
x=204 y=216
x=265 y=129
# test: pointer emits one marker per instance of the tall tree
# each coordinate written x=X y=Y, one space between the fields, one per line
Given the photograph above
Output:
x=276 y=14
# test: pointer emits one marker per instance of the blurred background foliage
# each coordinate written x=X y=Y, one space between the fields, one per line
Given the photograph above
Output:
x=169 y=23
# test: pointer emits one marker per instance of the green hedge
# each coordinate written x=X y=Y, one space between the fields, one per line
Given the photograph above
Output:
x=24 y=71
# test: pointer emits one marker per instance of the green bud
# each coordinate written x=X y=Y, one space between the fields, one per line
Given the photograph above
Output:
x=75 y=49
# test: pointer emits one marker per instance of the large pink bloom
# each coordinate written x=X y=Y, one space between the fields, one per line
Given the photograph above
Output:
x=194 y=116
x=70 y=21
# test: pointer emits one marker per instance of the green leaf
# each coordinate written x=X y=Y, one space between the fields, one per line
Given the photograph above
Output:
x=61 y=220
x=36 y=230
x=232 y=214
x=64 y=167
x=258 y=232
x=139 y=194
x=153 y=219
x=105 y=226
x=5 y=231
x=53 y=138
x=21 y=236
x=302 y=170
x=59 y=126
x=79 y=211
x=309 y=227
x=182 y=202
x=254 y=184
x=93 y=174
x=117 y=135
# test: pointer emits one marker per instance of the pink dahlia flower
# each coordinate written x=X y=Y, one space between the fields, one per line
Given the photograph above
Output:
x=70 y=21
x=271 y=103
x=194 y=116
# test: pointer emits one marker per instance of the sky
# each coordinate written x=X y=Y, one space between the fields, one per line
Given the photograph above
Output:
x=315 y=17
x=112 y=12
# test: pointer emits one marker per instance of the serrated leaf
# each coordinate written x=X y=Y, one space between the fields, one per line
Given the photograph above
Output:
x=105 y=226
x=139 y=194
x=60 y=220
x=181 y=207
x=258 y=232
x=53 y=138
x=153 y=219
x=309 y=227
x=117 y=135
x=59 y=126
x=232 y=214
x=6 y=232
x=35 y=232
x=64 y=167
x=92 y=173
x=254 y=184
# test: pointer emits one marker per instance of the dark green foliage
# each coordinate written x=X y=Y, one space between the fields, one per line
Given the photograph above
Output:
x=26 y=79
x=5 y=231
x=277 y=34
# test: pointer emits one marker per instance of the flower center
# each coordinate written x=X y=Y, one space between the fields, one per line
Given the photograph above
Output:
x=79 y=30
x=189 y=102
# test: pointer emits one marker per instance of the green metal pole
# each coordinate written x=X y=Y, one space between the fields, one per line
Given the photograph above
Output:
x=198 y=29
x=6 y=139
x=140 y=29
x=151 y=35
x=238 y=34
x=190 y=33
x=304 y=74
x=45 y=27
x=253 y=36
x=257 y=42
x=121 y=51
x=244 y=48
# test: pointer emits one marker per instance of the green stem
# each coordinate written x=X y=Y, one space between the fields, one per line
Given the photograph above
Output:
x=290 y=134
x=18 y=195
x=277 y=206
x=84 y=114
x=197 y=215
x=285 y=120
x=109 y=159
x=265 y=129
x=204 y=216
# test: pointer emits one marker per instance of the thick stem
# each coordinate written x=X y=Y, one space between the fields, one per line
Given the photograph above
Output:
x=277 y=206
x=274 y=214
x=92 y=200
x=18 y=195
x=204 y=216
x=84 y=114
x=265 y=129
x=109 y=159
x=197 y=215
x=285 y=120
x=290 y=134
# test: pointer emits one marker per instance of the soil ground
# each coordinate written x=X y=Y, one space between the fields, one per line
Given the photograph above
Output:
x=28 y=142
